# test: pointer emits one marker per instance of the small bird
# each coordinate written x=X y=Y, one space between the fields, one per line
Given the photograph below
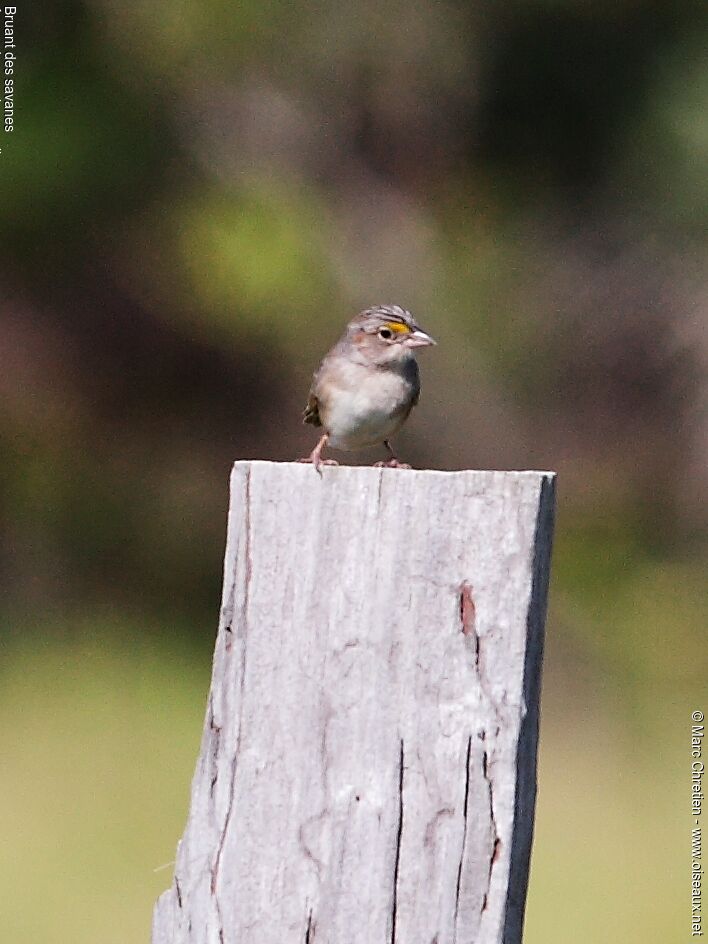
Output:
x=367 y=384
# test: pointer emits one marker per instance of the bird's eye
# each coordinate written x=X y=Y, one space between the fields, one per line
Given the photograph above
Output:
x=386 y=334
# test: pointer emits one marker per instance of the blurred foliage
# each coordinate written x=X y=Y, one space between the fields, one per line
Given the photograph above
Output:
x=195 y=199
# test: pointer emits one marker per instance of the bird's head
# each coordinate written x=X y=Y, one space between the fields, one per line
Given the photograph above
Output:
x=385 y=334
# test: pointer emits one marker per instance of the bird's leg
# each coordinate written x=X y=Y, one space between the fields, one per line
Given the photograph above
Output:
x=393 y=462
x=315 y=456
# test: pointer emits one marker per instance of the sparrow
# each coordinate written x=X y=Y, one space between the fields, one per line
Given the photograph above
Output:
x=368 y=383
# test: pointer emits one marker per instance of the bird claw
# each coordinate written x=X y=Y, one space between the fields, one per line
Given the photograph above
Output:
x=317 y=462
x=391 y=464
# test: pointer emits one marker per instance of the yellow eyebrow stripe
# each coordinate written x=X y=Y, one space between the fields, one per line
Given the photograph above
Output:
x=397 y=327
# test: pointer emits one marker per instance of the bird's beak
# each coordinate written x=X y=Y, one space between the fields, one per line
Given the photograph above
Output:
x=418 y=339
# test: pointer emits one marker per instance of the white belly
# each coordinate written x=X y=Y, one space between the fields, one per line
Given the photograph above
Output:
x=366 y=411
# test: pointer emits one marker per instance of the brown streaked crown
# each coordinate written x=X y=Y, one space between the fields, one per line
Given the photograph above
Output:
x=397 y=319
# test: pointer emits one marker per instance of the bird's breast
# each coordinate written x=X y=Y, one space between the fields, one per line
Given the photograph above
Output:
x=362 y=407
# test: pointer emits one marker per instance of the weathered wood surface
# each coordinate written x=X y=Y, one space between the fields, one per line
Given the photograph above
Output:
x=367 y=770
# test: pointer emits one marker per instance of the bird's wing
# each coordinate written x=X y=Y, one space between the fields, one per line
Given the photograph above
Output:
x=311 y=413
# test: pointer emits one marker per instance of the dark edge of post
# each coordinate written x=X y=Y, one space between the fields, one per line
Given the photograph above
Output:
x=527 y=749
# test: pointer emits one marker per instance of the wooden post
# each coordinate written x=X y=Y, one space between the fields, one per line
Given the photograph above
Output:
x=368 y=766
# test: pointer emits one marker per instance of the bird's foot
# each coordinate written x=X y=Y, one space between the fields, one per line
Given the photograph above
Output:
x=315 y=456
x=391 y=464
x=317 y=462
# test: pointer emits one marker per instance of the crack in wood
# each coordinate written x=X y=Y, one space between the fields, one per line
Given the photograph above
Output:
x=399 y=835
x=247 y=552
x=309 y=854
x=227 y=818
x=309 y=930
x=378 y=493
x=237 y=746
x=468 y=621
x=234 y=766
x=496 y=842
x=465 y=809
x=216 y=729
x=227 y=611
x=232 y=788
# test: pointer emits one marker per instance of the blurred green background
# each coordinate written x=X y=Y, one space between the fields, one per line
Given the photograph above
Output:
x=195 y=199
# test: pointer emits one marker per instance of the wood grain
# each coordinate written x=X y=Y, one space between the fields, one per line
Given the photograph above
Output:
x=367 y=769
